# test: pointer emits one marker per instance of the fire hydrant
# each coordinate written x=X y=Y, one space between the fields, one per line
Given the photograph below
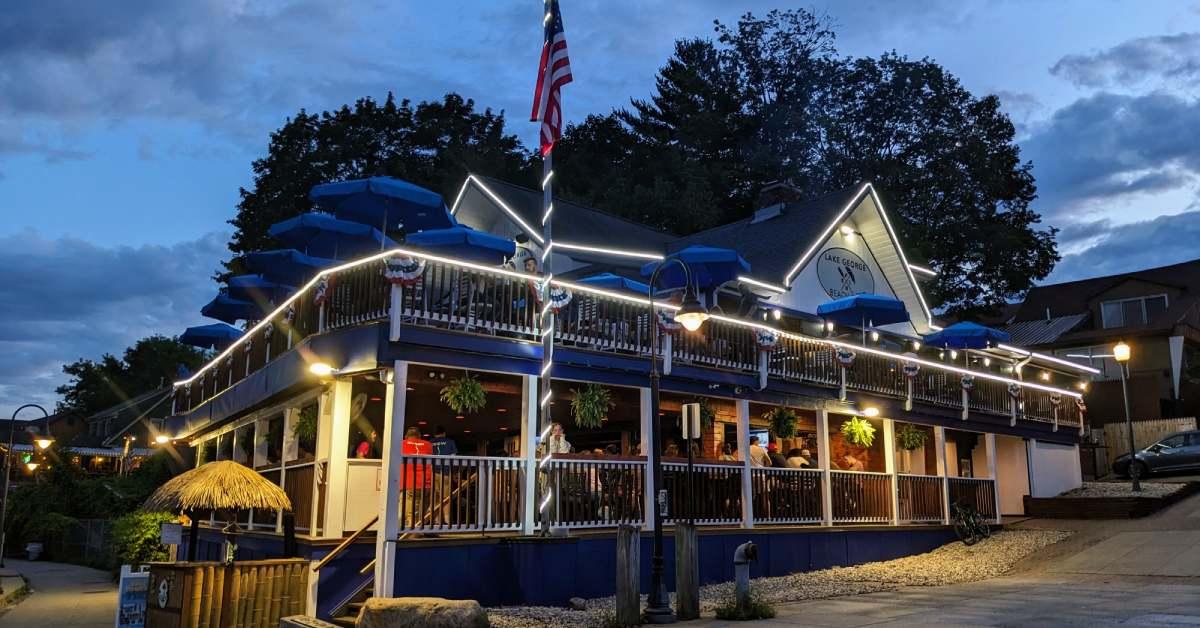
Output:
x=745 y=554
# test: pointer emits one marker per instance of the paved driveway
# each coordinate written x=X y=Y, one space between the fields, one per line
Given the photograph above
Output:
x=66 y=596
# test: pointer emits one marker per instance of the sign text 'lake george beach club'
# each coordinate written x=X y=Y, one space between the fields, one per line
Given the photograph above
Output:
x=841 y=273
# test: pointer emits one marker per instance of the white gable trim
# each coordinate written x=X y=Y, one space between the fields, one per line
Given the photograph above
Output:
x=499 y=203
x=867 y=188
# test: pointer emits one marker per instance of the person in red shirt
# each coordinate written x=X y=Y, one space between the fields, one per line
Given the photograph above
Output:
x=416 y=478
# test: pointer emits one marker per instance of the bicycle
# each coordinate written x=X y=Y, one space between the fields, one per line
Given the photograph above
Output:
x=969 y=525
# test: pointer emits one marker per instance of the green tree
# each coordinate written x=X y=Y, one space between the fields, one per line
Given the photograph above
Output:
x=770 y=100
x=150 y=363
x=433 y=144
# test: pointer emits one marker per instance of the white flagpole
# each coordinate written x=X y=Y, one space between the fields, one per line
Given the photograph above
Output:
x=547 y=327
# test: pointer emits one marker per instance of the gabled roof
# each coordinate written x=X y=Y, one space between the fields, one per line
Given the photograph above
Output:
x=1072 y=297
x=772 y=246
x=573 y=223
x=1040 y=332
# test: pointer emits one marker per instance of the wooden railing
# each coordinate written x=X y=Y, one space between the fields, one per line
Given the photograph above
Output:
x=596 y=493
x=717 y=493
x=460 y=493
x=920 y=498
x=979 y=493
x=502 y=303
x=861 y=497
x=786 y=495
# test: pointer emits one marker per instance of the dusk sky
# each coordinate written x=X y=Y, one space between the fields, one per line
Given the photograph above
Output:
x=126 y=128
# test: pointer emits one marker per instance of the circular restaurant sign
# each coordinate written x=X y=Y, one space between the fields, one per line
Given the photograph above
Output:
x=842 y=273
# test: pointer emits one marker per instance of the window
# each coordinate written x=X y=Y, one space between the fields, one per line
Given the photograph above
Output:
x=1134 y=312
x=1109 y=368
x=1178 y=440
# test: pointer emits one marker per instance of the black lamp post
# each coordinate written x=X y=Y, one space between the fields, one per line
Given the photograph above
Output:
x=8 y=456
x=690 y=315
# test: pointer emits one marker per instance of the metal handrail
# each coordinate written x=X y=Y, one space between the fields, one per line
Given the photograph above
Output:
x=346 y=542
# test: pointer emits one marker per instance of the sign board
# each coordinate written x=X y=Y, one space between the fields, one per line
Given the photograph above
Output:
x=131 y=597
x=842 y=273
x=690 y=421
x=172 y=534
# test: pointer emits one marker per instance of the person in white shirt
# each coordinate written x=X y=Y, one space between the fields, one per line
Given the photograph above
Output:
x=758 y=455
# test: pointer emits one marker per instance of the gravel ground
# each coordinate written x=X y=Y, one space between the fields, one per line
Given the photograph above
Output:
x=950 y=564
x=1122 y=489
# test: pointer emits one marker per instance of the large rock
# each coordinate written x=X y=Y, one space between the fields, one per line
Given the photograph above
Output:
x=421 y=612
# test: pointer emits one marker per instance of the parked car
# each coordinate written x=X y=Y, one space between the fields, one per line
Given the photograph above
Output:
x=1177 y=452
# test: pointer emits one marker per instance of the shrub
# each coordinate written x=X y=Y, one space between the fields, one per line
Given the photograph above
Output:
x=757 y=609
x=137 y=537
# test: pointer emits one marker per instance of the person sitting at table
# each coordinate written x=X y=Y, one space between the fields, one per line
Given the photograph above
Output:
x=777 y=459
x=727 y=453
x=796 y=459
x=812 y=460
x=557 y=442
x=851 y=463
x=672 y=449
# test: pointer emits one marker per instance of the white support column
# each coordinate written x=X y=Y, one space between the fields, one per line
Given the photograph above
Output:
x=823 y=460
x=939 y=447
x=395 y=403
x=889 y=461
x=647 y=423
x=324 y=429
x=336 y=471
x=743 y=447
x=529 y=441
x=989 y=442
x=258 y=458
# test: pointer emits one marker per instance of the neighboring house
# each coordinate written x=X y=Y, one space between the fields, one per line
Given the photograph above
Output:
x=1156 y=311
x=99 y=446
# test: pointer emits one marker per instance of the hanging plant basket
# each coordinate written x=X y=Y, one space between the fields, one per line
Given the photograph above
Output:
x=305 y=427
x=910 y=437
x=464 y=395
x=858 y=432
x=590 y=406
x=783 y=421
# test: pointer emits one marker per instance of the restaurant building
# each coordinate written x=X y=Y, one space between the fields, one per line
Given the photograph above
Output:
x=877 y=430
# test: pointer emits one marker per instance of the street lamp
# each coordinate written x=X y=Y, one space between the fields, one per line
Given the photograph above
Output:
x=12 y=428
x=1122 y=353
x=691 y=315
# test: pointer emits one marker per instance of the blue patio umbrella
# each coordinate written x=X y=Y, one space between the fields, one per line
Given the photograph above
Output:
x=967 y=335
x=864 y=309
x=228 y=309
x=465 y=243
x=384 y=202
x=323 y=235
x=258 y=289
x=711 y=266
x=215 y=336
x=287 y=266
x=612 y=281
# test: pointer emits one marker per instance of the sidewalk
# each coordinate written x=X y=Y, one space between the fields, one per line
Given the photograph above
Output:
x=62 y=595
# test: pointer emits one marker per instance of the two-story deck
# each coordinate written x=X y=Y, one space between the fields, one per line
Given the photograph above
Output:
x=982 y=427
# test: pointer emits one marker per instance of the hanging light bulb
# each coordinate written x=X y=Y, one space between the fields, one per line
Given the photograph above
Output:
x=987 y=361
x=916 y=345
x=874 y=336
x=953 y=354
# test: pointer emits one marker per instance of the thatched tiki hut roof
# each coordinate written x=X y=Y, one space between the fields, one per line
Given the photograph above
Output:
x=223 y=485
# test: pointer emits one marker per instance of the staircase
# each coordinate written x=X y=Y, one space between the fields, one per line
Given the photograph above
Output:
x=348 y=614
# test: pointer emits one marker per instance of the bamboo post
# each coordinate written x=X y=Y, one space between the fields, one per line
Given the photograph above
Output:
x=217 y=599
x=233 y=593
x=260 y=592
x=205 y=609
x=249 y=590
x=276 y=592
x=196 y=597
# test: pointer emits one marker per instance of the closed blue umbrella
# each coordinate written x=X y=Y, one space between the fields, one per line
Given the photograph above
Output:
x=287 y=266
x=324 y=235
x=612 y=281
x=215 y=336
x=228 y=309
x=967 y=335
x=258 y=289
x=863 y=310
x=384 y=201
x=465 y=243
x=711 y=266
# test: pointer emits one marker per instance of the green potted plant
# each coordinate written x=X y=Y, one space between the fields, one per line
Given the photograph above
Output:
x=590 y=406
x=783 y=421
x=707 y=414
x=858 y=431
x=305 y=427
x=910 y=437
x=464 y=395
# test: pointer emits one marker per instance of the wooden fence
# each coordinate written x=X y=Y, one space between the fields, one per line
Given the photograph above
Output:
x=1145 y=433
x=254 y=593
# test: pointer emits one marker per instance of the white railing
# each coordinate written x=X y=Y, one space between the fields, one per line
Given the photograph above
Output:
x=861 y=496
x=717 y=493
x=460 y=494
x=786 y=495
x=596 y=493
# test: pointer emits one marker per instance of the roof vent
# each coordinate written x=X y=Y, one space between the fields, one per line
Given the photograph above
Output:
x=767 y=213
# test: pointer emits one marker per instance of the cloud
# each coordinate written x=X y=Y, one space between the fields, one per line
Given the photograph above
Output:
x=68 y=298
x=1118 y=249
x=1174 y=58
x=1107 y=146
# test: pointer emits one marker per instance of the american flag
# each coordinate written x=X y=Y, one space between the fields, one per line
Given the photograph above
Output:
x=554 y=71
